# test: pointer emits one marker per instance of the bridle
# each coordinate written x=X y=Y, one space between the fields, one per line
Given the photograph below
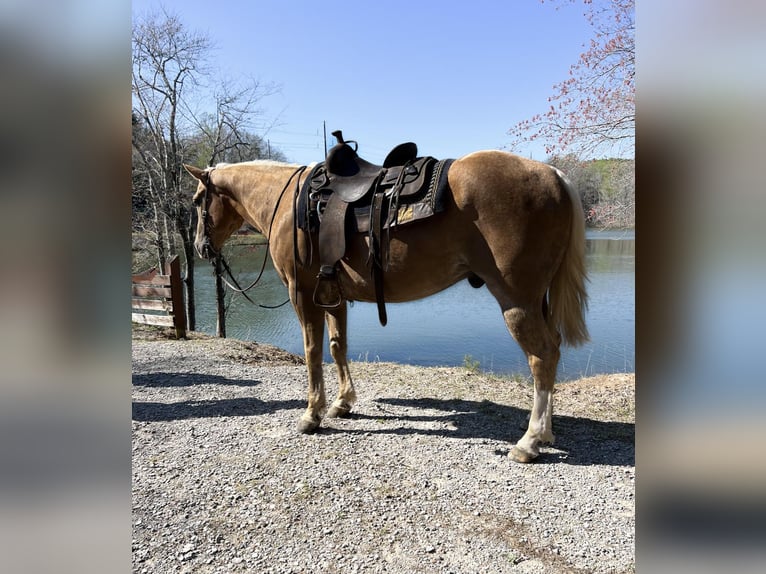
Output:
x=207 y=244
x=218 y=255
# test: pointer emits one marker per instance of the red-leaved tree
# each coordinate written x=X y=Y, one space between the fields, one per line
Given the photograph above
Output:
x=593 y=111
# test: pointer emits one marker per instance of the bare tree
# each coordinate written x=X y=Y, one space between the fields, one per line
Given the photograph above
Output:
x=226 y=133
x=594 y=109
x=167 y=62
x=170 y=71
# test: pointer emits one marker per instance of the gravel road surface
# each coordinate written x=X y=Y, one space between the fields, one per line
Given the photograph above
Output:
x=416 y=480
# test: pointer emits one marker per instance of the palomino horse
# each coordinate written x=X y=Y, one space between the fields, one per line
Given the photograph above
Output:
x=513 y=223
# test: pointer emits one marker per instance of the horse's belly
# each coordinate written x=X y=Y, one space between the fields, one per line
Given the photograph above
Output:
x=419 y=260
x=401 y=283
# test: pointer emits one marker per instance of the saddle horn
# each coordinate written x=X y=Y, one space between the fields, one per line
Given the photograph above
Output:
x=341 y=142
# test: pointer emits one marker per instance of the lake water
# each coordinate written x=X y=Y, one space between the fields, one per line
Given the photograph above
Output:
x=461 y=321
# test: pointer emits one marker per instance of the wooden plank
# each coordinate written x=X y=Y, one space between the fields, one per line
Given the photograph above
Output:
x=145 y=276
x=164 y=320
x=153 y=305
x=162 y=280
x=147 y=291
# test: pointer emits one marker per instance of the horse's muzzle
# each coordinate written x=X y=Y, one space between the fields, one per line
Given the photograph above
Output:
x=204 y=249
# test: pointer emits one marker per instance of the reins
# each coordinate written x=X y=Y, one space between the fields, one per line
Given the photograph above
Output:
x=236 y=287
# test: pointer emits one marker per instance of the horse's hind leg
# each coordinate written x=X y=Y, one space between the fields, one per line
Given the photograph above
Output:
x=336 y=329
x=528 y=327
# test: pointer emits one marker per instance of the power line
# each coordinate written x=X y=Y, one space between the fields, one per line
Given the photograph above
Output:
x=296 y=145
x=292 y=133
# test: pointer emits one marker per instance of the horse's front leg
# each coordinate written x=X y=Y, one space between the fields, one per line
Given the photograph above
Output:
x=336 y=329
x=311 y=318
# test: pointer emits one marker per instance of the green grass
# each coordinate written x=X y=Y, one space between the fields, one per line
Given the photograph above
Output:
x=470 y=364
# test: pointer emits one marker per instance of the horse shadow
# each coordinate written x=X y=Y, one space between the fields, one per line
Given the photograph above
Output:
x=205 y=408
x=579 y=441
x=188 y=380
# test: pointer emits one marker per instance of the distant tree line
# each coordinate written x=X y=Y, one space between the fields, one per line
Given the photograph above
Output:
x=607 y=189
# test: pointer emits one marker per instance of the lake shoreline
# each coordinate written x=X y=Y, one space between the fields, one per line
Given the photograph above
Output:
x=254 y=352
x=252 y=237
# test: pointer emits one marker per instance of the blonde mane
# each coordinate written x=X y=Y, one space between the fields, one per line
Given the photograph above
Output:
x=254 y=162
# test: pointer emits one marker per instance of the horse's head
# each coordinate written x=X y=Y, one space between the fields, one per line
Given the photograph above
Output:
x=216 y=217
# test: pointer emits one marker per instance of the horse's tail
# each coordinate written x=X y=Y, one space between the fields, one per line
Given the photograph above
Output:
x=568 y=298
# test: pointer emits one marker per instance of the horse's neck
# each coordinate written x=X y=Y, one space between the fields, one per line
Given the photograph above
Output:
x=255 y=189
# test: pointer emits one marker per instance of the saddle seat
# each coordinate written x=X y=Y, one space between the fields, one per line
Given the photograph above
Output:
x=352 y=176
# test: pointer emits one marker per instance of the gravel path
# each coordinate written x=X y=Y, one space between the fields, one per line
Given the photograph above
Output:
x=416 y=480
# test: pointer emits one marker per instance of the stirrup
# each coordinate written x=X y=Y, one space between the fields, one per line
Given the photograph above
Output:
x=327 y=291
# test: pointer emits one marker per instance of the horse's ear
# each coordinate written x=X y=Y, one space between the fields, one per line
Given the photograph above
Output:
x=196 y=172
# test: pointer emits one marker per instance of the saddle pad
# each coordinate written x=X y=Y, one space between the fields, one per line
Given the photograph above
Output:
x=433 y=201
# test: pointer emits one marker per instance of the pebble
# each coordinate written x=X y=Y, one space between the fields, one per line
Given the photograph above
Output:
x=388 y=490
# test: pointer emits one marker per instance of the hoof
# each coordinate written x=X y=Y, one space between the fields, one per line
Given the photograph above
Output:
x=518 y=455
x=338 y=412
x=307 y=426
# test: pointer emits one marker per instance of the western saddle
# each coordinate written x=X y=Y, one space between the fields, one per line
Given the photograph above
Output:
x=346 y=194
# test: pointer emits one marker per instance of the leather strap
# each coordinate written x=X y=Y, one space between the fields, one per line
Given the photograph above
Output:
x=377 y=255
x=377 y=276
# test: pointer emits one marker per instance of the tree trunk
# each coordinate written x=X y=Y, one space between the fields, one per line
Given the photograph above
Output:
x=169 y=235
x=220 y=328
x=161 y=255
x=191 y=307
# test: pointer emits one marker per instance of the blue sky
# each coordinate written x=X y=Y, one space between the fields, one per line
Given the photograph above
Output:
x=453 y=77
